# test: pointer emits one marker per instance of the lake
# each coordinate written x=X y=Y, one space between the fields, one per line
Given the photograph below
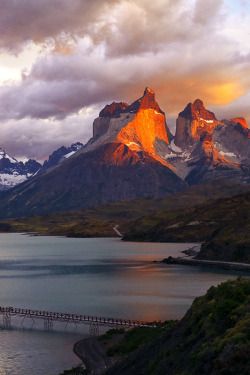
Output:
x=101 y=277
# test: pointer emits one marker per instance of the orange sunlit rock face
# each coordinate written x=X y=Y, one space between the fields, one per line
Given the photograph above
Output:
x=142 y=131
x=241 y=121
x=149 y=123
x=119 y=154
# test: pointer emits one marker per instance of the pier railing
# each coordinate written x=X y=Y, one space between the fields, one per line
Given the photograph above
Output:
x=49 y=317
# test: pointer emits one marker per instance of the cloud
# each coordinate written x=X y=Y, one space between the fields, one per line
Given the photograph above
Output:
x=28 y=20
x=37 y=139
x=206 y=11
x=59 y=85
x=99 y=51
x=125 y=27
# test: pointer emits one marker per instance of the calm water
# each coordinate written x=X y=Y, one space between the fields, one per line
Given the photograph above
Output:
x=103 y=277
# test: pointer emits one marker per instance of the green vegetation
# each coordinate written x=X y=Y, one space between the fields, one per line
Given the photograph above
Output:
x=111 y=333
x=99 y=221
x=224 y=319
x=133 y=339
x=212 y=338
x=224 y=225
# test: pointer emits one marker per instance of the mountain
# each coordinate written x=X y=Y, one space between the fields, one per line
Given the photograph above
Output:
x=211 y=339
x=232 y=139
x=207 y=163
x=132 y=154
x=192 y=122
x=119 y=162
x=207 y=149
x=13 y=172
x=61 y=154
x=139 y=126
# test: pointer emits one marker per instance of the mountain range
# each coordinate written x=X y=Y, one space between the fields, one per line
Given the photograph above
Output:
x=133 y=154
x=13 y=172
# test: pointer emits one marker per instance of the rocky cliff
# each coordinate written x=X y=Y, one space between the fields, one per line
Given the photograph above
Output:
x=207 y=149
x=138 y=125
x=207 y=163
x=233 y=140
x=194 y=120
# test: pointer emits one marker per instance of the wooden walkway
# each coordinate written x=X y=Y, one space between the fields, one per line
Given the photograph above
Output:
x=50 y=317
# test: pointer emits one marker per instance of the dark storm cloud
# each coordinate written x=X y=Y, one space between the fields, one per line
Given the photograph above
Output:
x=38 y=138
x=22 y=21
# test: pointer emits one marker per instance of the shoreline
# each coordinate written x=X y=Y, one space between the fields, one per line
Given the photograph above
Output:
x=92 y=353
x=230 y=266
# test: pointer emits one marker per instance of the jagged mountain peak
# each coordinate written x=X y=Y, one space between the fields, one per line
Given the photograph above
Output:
x=197 y=111
x=138 y=125
x=113 y=109
x=239 y=124
x=61 y=154
x=13 y=172
x=147 y=101
x=130 y=156
x=194 y=120
x=3 y=155
x=240 y=120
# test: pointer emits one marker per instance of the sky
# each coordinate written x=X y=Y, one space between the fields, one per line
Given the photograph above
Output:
x=62 y=61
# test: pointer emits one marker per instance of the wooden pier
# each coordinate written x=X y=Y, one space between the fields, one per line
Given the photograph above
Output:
x=50 y=317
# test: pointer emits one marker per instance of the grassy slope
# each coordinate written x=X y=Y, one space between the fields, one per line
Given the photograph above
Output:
x=212 y=338
x=99 y=221
x=223 y=224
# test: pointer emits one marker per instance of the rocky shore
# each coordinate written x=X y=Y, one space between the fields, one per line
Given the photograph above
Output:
x=208 y=263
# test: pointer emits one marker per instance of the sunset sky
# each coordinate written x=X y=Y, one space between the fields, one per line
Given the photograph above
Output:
x=61 y=61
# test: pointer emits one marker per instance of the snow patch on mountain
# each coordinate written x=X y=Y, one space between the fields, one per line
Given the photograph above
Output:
x=169 y=156
x=14 y=172
x=3 y=155
x=174 y=147
x=8 y=181
x=61 y=154
x=68 y=155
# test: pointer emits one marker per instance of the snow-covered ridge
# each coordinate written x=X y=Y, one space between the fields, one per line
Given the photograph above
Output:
x=3 y=155
x=61 y=154
x=14 y=172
